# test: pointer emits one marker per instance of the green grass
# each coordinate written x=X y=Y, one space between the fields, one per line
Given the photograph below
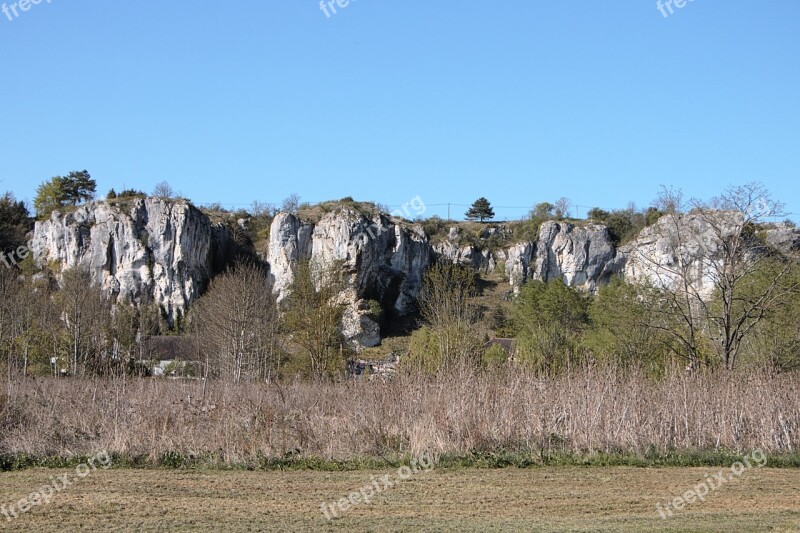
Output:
x=495 y=460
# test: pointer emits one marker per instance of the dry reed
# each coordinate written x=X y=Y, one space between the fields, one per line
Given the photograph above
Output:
x=591 y=410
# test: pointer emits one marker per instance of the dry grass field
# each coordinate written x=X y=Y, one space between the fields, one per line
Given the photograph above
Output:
x=536 y=499
x=222 y=449
x=587 y=411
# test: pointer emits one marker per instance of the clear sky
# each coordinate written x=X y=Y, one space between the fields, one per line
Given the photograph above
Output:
x=520 y=101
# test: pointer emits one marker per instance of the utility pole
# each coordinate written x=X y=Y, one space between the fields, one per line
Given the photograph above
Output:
x=448 y=211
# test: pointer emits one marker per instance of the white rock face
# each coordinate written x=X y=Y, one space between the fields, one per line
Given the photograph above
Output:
x=678 y=248
x=480 y=260
x=582 y=257
x=162 y=252
x=289 y=241
x=518 y=264
x=386 y=261
x=156 y=252
x=382 y=260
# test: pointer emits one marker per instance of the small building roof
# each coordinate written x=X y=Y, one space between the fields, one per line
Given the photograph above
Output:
x=169 y=348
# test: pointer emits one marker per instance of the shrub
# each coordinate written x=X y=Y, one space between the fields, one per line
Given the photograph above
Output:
x=423 y=352
x=495 y=356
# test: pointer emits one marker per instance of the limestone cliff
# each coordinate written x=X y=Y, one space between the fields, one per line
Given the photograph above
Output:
x=385 y=259
x=687 y=250
x=583 y=257
x=140 y=250
x=150 y=250
x=382 y=259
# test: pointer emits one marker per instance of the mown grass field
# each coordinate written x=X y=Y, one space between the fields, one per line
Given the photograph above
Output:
x=460 y=499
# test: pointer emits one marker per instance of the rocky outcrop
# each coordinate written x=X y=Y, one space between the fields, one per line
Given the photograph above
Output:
x=359 y=325
x=582 y=257
x=680 y=250
x=410 y=257
x=290 y=241
x=518 y=264
x=481 y=260
x=151 y=250
x=685 y=252
x=147 y=250
x=384 y=260
x=381 y=258
x=784 y=237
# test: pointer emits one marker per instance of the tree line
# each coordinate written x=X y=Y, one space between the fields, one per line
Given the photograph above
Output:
x=65 y=324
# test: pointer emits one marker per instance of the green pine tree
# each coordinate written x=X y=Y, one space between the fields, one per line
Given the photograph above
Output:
x=481 y=210
x=63 y=191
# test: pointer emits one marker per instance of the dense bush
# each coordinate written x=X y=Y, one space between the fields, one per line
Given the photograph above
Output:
x=549 y=319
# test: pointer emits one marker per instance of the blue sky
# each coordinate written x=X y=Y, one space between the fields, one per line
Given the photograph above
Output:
x=518 y=101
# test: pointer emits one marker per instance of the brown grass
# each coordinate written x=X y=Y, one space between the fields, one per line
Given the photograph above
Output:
x=586 y=411
x=542 y=499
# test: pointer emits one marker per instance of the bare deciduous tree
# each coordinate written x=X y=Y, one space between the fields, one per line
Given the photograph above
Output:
x=236 y=324
x=9 y=293
x=561 y=208
x=291 y=204
x=261 y=209
x=163 y=190
x=85 y=311
x=37 y=327
x=737 y=268
x=713 y=281
x=670 y=201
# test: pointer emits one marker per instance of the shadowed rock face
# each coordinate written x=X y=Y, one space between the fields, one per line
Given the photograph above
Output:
x=155 y=251
x=382 y=260
x=581 y=257
x=289 y=242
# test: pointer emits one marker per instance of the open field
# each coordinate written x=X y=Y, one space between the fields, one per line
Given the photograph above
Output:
x=537 y=499
x=350 y=432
